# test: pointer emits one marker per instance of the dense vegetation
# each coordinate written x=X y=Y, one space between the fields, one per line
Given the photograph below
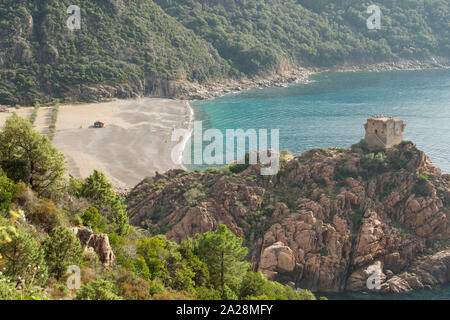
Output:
x=133 y=47
x=124 y=44
x=37 y=244
x=256 y=35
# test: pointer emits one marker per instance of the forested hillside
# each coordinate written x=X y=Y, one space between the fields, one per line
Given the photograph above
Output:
x=125 y=48
x=127 y=45
x=254 y=35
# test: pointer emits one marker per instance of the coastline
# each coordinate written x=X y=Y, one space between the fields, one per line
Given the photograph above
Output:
x=187 y=136
x=121 y=167
x=291 y=75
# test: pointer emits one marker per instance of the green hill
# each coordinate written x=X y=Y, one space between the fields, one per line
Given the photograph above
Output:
x=127 y=48
x=128 y=45
x=255 y=35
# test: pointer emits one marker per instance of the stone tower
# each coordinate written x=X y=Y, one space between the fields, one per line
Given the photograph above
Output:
x=384 y=132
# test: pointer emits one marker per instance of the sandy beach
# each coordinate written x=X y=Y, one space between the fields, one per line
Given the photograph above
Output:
x=23 y=112
x=135 y=142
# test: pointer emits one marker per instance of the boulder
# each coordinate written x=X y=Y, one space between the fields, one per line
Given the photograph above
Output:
x=277 y=258
x=96 y=242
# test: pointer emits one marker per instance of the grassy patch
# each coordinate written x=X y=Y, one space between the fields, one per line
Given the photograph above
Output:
x=52 y=126
x=33 y=115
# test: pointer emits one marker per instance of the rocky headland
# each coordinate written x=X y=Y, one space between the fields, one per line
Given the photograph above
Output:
x=328 y=221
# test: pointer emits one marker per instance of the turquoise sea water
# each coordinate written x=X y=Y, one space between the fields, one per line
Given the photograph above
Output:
x=331 y=108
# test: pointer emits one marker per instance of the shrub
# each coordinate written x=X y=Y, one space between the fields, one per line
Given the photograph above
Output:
x=24 y=259
x=420 y=187
x=212 y=170
x=44 y=214
x=34 y=113
x=362 y=144
x=204 y=293
x=98 y=290
x=153 y=251
x=8 y=289
x=238 y=167
x=256 y=286
x=52 y=126
x=342 y=173
x=268 y=210
x=375 y=162
x=388 y=187
x=62 y=248
x=131 y=287
x=357 y=221
x=7 y=191
x=183 y=279
x=92 y=219
x=398 y=163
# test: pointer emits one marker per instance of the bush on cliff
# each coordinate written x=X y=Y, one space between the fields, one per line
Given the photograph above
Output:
x=256 y=286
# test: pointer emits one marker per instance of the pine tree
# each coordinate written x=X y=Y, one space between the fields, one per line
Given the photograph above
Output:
x=27 y=156
x=224 y=254
x=97 y=188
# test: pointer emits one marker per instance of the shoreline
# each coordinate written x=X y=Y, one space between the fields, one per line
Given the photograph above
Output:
x=187 y=136
x=166 y=114
x=291 y=75
x=384 y=67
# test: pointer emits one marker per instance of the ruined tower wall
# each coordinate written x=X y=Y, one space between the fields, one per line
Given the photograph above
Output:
x=383 y=132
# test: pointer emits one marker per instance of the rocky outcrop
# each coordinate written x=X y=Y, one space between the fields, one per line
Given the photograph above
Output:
x=367 y=278
x=277 y=258
x=424 y=273
x=97 y=243
x=328 y=221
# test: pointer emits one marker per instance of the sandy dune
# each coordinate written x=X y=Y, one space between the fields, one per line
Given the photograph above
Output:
x=135 y=142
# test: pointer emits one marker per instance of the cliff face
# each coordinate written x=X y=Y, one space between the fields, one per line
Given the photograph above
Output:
x=328 y=221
